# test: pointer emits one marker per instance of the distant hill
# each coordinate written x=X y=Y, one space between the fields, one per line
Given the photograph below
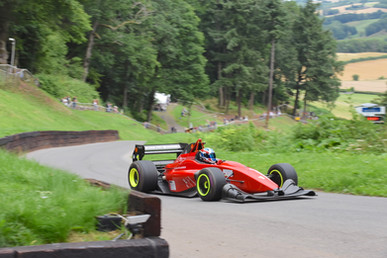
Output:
x=359 y=26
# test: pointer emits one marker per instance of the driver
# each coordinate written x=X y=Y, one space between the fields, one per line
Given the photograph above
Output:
x=207 y=155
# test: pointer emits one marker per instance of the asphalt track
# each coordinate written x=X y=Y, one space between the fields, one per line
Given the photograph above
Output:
x=330 y=225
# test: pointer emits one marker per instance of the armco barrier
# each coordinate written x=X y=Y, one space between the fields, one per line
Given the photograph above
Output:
x=31 y=141
x=135 y=248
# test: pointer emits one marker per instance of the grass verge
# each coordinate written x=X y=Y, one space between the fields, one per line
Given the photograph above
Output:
x=360 y=174
x=42 y=205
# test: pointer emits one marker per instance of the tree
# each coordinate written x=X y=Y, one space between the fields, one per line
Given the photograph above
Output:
x=235 y=44
x=43 y=30
x=5 y=18
x=179 y=45
x=104 y=14
x=317 y=65
x=123 y=54
x=274 y=24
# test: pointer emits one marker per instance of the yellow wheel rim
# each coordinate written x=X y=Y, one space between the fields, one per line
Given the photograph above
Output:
x=133 y=177
x=203 y=185
x=275 y=171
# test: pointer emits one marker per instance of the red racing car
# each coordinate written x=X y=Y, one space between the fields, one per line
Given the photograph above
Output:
x=197 y=171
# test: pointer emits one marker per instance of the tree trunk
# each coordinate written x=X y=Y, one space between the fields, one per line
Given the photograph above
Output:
x=151 y=101
x=90 y=45
x=221 y=97
x=270 y=83
x=5 y=17
x=239 y=92
x=221 y=90
x=125 y=97
x=251 y=100
x=304 y=116
x=296 y=100
x=227 y=100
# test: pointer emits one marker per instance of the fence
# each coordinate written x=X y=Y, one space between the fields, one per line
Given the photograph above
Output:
x=114 y=110
x=13 y=75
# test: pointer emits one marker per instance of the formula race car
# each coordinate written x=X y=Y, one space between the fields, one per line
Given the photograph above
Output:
x=196 y=171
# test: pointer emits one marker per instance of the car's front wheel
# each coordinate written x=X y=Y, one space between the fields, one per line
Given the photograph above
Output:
x=142 y=176
x=281 y=172
x=209 y=184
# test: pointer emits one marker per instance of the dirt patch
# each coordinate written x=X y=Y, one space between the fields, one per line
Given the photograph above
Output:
x=349 y=56
x=379 y=86
x=343 y=10
x=367 y=70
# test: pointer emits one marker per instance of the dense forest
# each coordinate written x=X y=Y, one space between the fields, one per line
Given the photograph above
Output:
x=250 y=51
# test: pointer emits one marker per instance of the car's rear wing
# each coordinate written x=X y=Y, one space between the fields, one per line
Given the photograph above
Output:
x=175 y=148
x=141 y=150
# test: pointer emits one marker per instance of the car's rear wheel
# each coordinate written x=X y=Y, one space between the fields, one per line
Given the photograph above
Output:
x=209 y=184
x=281 y=172
x=142 y=176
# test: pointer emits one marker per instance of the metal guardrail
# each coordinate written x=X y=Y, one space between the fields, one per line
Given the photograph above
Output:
x=13 y=75
x=113 y=110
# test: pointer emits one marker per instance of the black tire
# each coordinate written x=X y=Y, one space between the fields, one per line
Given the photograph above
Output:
x=209 y=184
x=281 y=172
x=142 y=176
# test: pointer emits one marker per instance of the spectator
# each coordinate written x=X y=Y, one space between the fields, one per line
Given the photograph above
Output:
x=65 y=101
x=95 y=104
x=74 y=102
x=108 y=107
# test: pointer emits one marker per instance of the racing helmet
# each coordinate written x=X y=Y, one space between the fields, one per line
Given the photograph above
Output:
x=207 y=155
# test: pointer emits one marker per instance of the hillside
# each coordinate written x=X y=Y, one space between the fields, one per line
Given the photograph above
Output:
x=372 y=76
x=27 y=108
x=358 y=26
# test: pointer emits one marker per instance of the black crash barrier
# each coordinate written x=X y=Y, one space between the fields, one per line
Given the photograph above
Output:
x=135 y=248
x=31 y=141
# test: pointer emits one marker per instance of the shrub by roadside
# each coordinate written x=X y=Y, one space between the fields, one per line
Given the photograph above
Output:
x=325 y=134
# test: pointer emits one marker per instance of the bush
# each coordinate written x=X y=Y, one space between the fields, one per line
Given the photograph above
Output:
x=355 y=77
x=326 y=134
x=235 y=138
x=329 y=133
x=62 y=86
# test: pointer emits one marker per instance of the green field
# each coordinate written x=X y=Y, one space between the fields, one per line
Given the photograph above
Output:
x=344 y=105
x=360 y=27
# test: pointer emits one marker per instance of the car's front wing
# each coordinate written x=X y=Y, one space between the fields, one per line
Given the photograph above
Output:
x=289 y=190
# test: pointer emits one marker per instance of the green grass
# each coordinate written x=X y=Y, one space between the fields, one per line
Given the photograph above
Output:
x=42 y=205
x=196 y=118
x=346 y=103
x=33 y=110
x=360 y=26
x=361 y=174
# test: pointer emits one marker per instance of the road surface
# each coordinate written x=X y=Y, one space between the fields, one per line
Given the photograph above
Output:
x=330 y=225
